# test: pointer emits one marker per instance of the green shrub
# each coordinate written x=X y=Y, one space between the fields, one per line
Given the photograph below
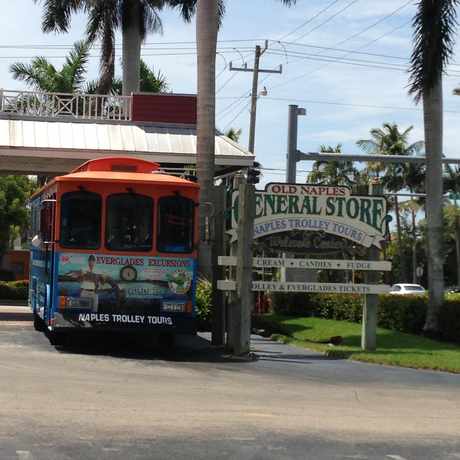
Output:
x=400 y=313
x=295 y=303
x=14 y=290
x=346 y=307
x=449 y=319
x=204 y=299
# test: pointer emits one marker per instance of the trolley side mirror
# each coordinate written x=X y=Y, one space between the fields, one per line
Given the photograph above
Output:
x=36 y=242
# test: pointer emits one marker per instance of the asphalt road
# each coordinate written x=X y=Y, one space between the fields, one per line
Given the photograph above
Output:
x=118 y=400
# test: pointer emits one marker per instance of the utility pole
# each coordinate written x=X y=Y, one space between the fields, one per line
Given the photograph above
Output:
x=255 y=89
x=292 y=152
x=293 y=274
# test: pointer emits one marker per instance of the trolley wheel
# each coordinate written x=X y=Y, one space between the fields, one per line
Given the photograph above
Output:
x=39 y=325
x=57 y=338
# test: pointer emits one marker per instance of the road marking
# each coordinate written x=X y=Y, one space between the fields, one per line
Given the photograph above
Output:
x=24 y=455
x=396 y=457
x=111 y=449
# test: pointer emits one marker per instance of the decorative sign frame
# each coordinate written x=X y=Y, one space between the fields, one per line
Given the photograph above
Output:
x=334 y=210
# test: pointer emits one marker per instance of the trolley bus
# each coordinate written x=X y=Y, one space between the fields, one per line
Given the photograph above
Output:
x=114 y=248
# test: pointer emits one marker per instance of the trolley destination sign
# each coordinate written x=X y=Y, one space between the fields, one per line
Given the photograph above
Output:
x=333 y=210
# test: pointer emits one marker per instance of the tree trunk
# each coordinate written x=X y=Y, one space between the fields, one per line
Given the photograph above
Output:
x=107 y=66
x=131 y=48
x=433 y=120
x=414 y=247
x=457 y=246
x=206 y=37
x=402 y=259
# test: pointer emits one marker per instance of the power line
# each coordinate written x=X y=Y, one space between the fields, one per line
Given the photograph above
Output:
x=228 y=125
x=384 y=18
x=354 y=62
x=330 y=18
x=343 y=41
x=70 y=46
x=344 y=104
x=308 y=21
x=232 y=76
x=231 y=107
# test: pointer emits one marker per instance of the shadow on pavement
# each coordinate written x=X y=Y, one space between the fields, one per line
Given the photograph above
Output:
x=124 y=346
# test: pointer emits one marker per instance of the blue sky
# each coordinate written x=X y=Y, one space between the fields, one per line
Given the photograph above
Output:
x=343 y=101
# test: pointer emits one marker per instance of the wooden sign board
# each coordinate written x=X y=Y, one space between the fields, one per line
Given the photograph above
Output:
x=302 y=207
x=311 y=264
x=325 y=288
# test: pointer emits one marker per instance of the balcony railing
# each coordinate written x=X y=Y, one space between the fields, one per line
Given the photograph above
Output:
x=66 y=106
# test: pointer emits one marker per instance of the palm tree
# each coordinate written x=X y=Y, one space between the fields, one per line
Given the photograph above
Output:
x=135 y=17
x=434 y=31
x=41 y=75
x=209 y=14
x=389 y=140
x=412 y=207
x=333 y=173
x=234 y=134
x=150 y=82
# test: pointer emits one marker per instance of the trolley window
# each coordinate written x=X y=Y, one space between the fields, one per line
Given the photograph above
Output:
x=81 y=220
x=129 y=222
x=175 y=224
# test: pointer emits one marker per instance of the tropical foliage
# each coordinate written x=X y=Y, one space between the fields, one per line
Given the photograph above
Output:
x=334 y=172
x=41 y=75
x=135 y=18
x=14 y=193
x=434 y=35
x=390 y=140
x=234 y=134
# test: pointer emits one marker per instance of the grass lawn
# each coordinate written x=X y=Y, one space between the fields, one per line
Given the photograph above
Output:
x=393 y=348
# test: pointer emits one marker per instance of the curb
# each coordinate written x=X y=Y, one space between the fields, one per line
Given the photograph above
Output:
x=13 y=316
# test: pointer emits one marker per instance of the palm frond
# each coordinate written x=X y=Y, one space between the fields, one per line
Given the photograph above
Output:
x=57 y=14
x=151 y=82
x=434 y=25
x=368 y=145
x=150 y=20
x=40 y=74
x=75 y=66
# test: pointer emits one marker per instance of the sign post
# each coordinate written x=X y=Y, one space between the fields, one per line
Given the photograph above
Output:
x=371 y=301
x=244 y=302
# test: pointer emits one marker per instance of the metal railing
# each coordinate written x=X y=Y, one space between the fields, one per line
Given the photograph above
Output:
x=66 y=106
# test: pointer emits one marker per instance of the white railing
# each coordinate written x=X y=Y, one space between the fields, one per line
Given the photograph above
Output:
x=65 y=105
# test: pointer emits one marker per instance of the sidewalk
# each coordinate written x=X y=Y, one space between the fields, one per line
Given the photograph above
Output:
x=15 y=313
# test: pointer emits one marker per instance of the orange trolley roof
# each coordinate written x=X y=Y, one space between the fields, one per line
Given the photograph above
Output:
x=122 y=169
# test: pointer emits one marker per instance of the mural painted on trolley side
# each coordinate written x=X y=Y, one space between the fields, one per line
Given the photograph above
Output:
x=106 y=288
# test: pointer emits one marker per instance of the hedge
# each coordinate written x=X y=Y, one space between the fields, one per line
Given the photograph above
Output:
x=14 y=290
x=399 y=313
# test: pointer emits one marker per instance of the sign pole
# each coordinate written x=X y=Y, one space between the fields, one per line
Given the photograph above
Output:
x=244 y=302
x=218 y=300
x=371 y=301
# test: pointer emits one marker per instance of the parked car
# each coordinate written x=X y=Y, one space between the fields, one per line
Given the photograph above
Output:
x=452 y=290
x=407 y=289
